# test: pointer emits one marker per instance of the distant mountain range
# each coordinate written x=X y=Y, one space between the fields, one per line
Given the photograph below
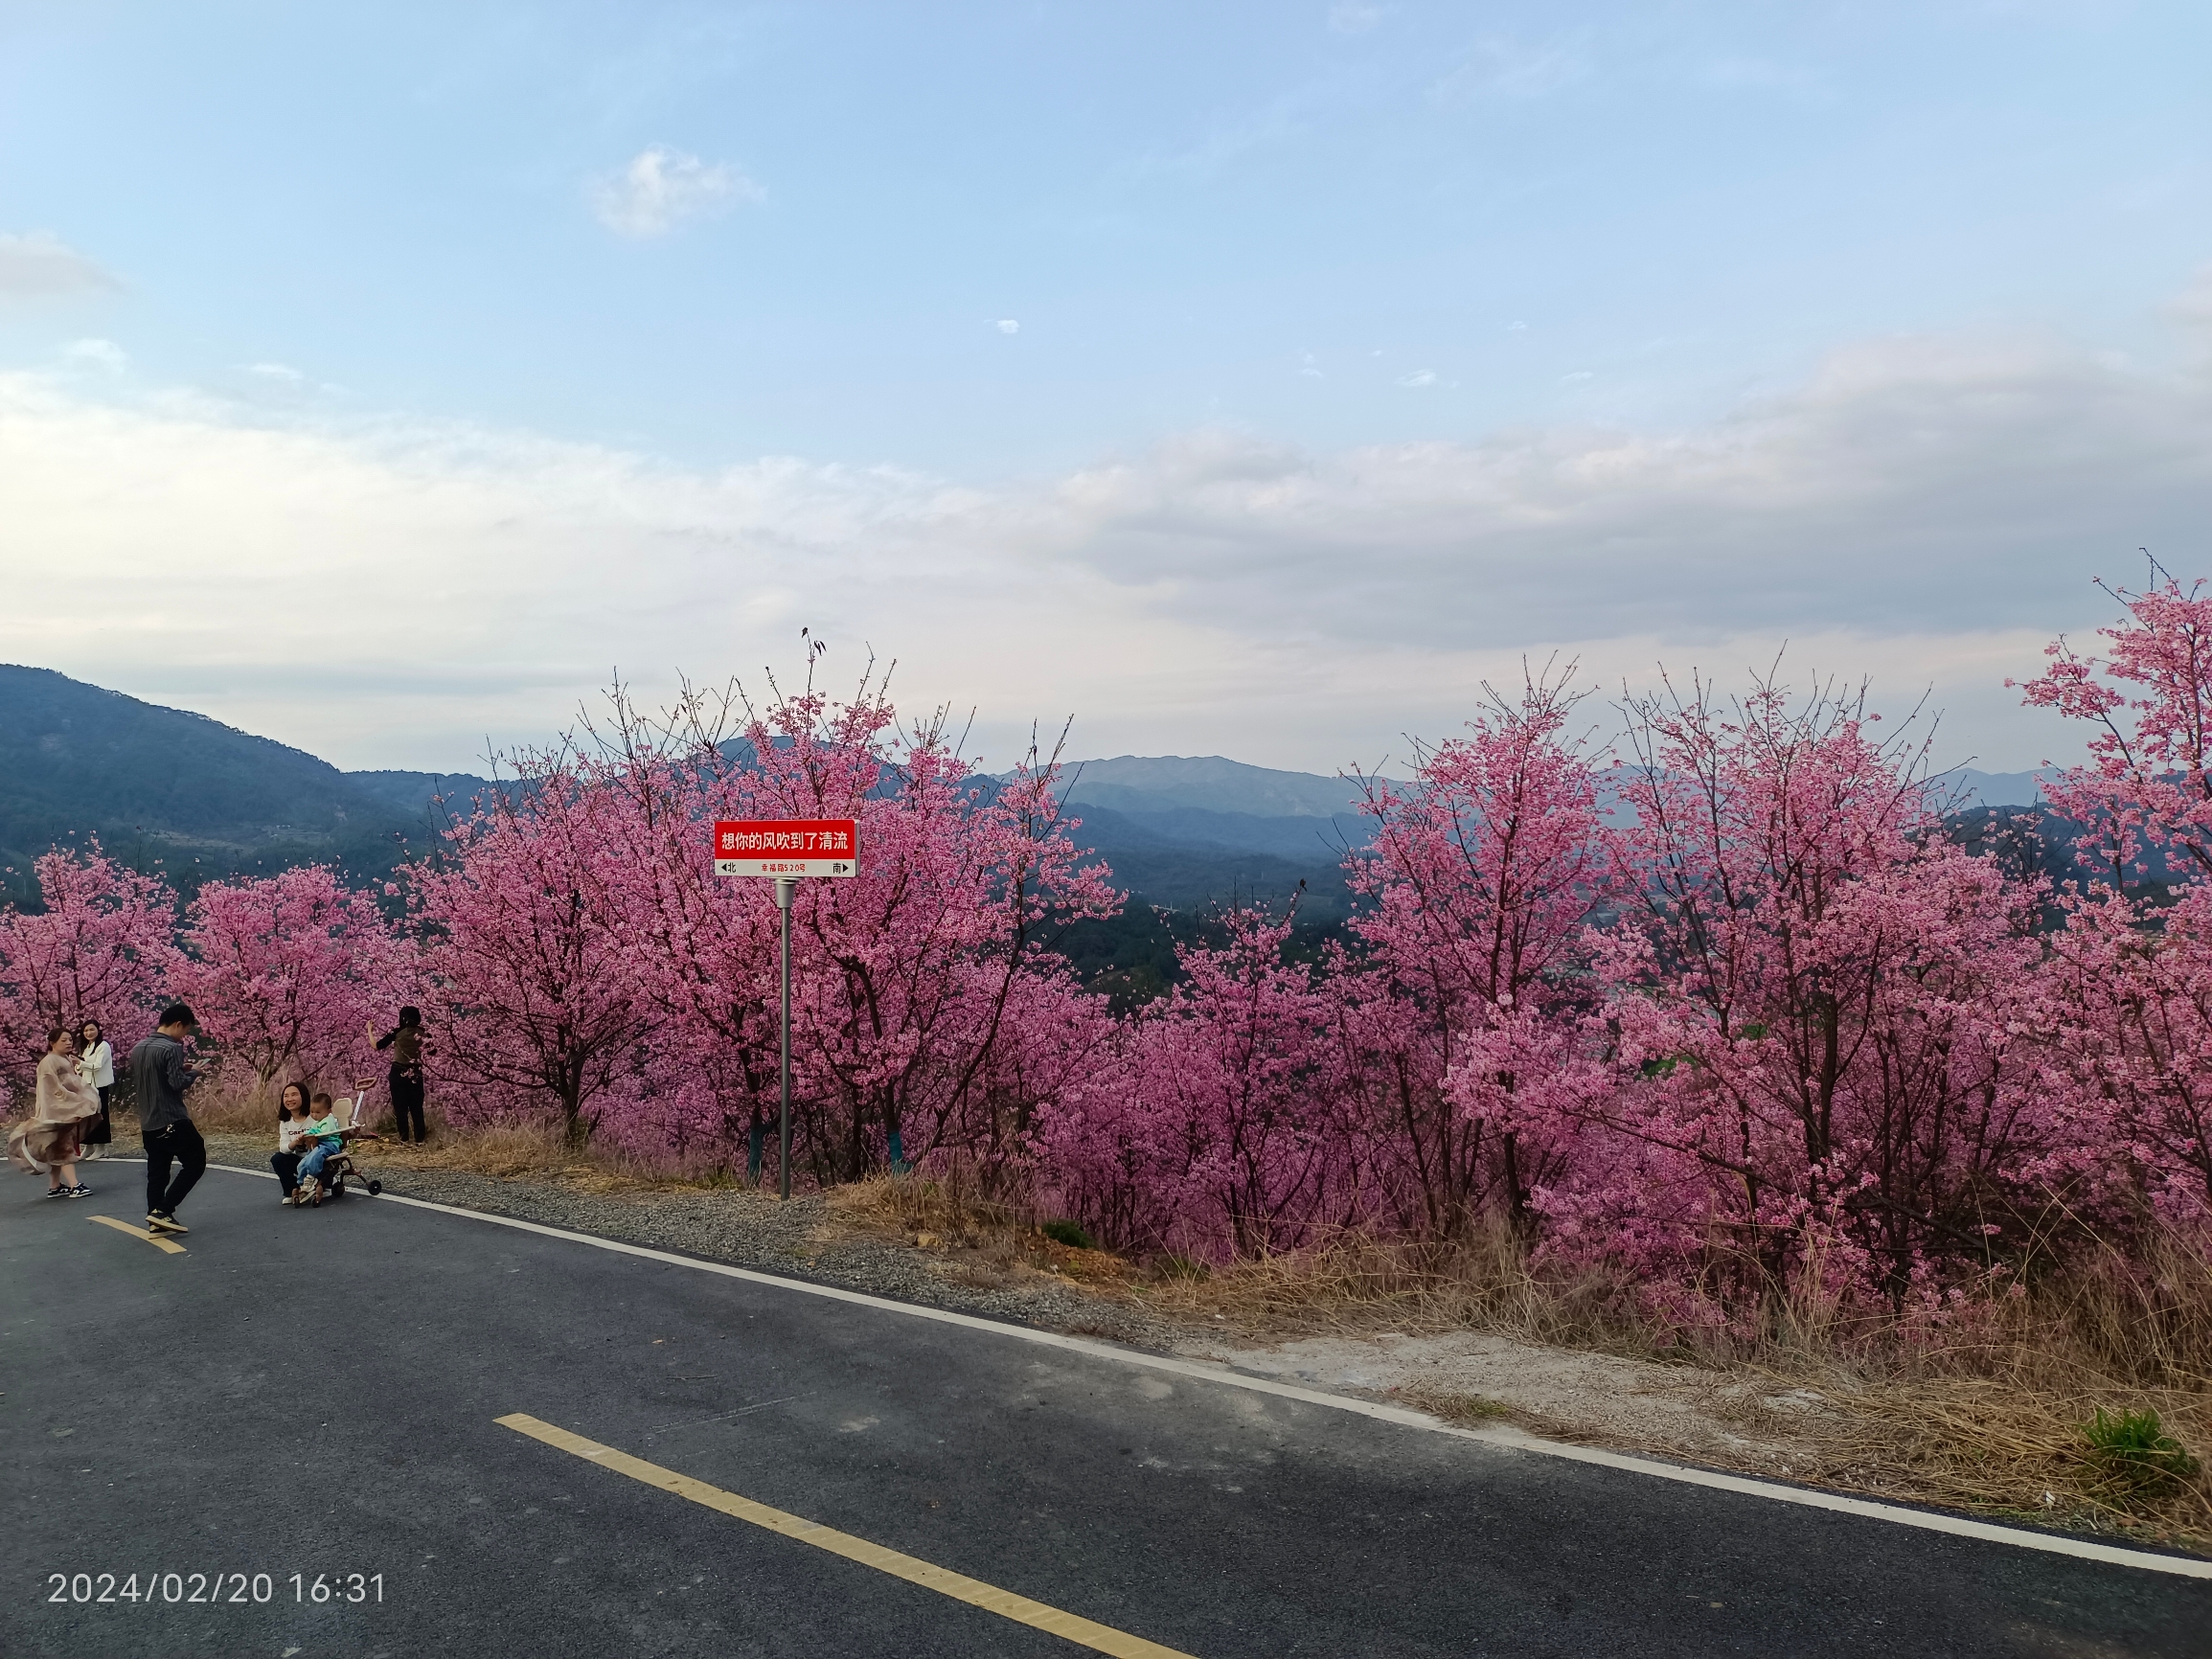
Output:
x=1995 y=788
x=1187 y=831
x=167 y=788
x=203 y=801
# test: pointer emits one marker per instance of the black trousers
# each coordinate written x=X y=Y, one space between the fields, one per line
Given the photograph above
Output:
x=98 y=1132
x=407 y=1105
x=181 y=1143
x=287 y=1165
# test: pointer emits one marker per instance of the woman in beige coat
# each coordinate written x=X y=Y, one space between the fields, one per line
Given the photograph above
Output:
x=49 y=1141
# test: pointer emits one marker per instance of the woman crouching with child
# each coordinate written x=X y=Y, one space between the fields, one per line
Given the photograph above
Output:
x=291 y=1124
x=323 y=1138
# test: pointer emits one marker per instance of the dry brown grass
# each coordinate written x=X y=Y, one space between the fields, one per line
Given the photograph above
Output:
x=1467 y=1410
x=990 y=1241
x=233 y=1111
x=535 y=1149
x=1984 y=1411
x=1991 y=1412
x=1358 y=1284
x=953 y=1202
x=2014 y=1444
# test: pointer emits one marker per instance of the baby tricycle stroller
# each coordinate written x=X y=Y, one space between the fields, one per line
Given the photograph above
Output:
x=339 y=1167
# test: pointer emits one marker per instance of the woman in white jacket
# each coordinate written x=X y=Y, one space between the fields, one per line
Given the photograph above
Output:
x=293 y=1111
x=95 y=1064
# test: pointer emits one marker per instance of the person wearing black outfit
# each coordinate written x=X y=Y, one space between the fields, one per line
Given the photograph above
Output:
x=160 y=1073
x=405 y=1076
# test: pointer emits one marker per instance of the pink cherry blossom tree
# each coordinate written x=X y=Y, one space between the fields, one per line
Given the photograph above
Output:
x=2145 y=793
x=1483 y=872
x=285 y=971
x=530 y=954
x=101 y=947
x=930 y=1012
x=2125 y=1049
x=1808 y=1002
x=1222 y=1130
x=2131 y=1046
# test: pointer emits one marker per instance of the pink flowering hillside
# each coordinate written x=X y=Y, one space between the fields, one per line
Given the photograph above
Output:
x=1697 y=993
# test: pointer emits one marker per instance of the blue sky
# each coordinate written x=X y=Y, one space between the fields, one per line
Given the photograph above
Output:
x=1252 y=379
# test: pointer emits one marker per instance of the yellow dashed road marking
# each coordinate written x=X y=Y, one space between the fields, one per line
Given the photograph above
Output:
x=155 y=1239
x=1099 y=1638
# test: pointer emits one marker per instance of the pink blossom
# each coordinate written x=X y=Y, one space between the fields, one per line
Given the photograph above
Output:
x=101 y=947
x=286 y=973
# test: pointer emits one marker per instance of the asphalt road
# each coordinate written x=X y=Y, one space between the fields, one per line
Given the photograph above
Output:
x=315 y=1393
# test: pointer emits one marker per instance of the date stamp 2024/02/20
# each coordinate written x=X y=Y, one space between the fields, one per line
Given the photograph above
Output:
x=213 y=1589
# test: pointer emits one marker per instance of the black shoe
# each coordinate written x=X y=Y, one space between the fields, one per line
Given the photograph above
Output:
x=57 y=1191
x=160 y=1223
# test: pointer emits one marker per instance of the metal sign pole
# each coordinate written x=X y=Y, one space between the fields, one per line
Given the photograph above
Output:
x=789 y=850
x=784 y=886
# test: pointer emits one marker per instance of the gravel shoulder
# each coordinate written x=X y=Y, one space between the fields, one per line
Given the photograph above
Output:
x=1563 y=1394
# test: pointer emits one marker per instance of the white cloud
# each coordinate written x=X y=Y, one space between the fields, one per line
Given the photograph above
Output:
x=1008 y=326
x=661 y=188
x=104 y=355
x=275 y=386
x=1502 y=67
x=2192 y=308
x=1347 y=18
x=1578 y=374
x=1419 y=377
x=1911 y=485
x=389 y=592
x=40 y=265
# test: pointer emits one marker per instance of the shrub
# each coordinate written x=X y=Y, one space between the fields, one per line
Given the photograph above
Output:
x=2132 y=1449
x=1070 y=1234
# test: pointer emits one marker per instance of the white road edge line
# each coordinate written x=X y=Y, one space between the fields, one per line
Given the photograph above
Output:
x=1512 y=1439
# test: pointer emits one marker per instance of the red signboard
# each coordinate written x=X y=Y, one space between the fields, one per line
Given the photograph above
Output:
x=787 y=846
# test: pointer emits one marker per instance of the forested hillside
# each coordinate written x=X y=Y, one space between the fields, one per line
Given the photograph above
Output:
x=167 y=789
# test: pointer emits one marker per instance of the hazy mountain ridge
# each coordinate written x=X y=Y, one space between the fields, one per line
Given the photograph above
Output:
x=1209 y=784
x=1993 y=788
x=202 y=800
x=416 y=792
x=170 y=788
x=1188 y=831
